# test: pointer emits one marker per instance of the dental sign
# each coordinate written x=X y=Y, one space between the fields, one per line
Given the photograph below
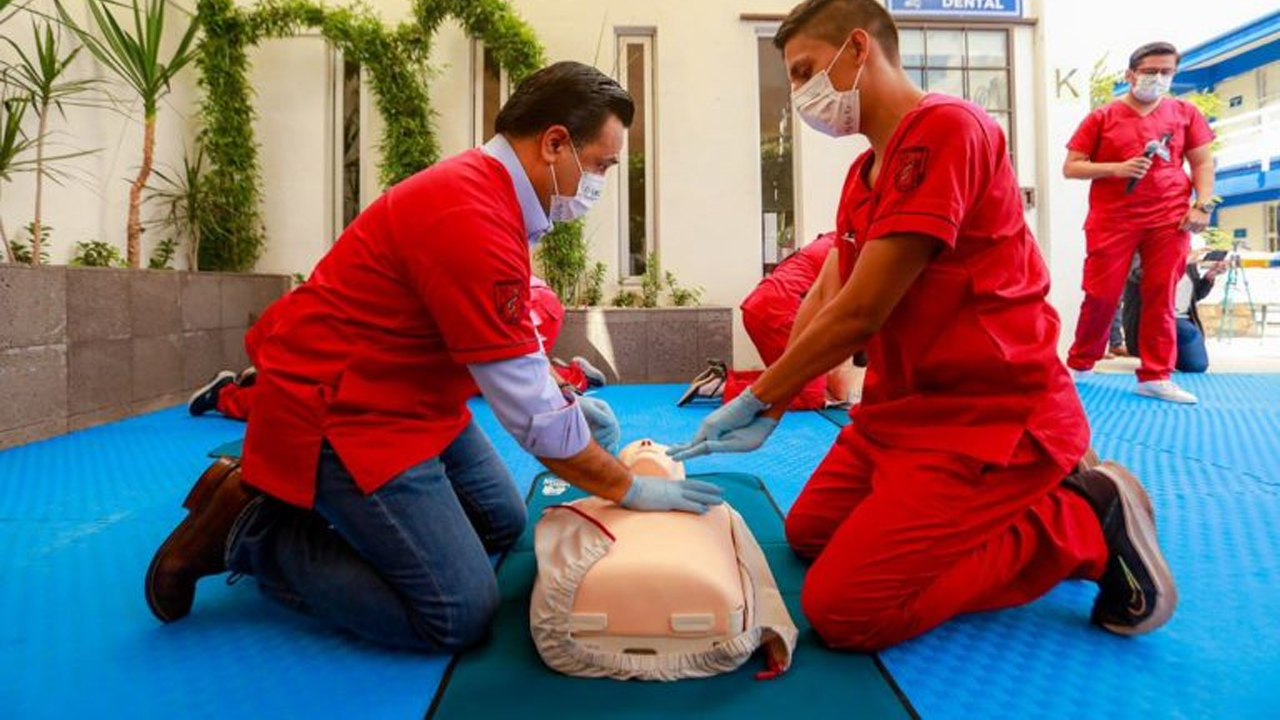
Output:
x=957 y=8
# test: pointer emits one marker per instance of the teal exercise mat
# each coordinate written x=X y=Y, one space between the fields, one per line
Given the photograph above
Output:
x=505 y=676
x=233 y=449
x=837 y=415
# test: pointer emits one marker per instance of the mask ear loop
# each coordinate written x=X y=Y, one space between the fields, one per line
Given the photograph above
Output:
x=840 y=52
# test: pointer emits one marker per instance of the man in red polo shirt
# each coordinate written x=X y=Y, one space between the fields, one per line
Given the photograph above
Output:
x=369 y=497
x=949 y=493
x=1133 y=150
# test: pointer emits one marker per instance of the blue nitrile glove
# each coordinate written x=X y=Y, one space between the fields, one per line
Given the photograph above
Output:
x=734 y=427
x=658 y=494
x=603 y=423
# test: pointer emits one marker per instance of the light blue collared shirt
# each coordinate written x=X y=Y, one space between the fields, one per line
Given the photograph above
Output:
x=521 y=391
x=536 y=222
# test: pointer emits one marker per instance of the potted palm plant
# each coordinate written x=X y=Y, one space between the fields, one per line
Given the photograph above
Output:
x=132 y=52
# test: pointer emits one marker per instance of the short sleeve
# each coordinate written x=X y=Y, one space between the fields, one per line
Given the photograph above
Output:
x=473 y=276
x=1199 y=133
x=936 y=175
x=1085 y=139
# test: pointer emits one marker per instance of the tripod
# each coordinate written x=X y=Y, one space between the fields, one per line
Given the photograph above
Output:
x=1236 y=279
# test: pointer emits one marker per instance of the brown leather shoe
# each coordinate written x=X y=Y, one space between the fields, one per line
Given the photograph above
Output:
x=197 y=547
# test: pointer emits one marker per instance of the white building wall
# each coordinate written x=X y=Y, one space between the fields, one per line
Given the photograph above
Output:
x=708 y=185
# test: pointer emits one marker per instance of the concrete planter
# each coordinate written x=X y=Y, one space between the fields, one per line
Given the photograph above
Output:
x=84 y=346
x=661 y=345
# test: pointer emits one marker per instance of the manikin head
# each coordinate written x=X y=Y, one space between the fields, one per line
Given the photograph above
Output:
x=646 y=457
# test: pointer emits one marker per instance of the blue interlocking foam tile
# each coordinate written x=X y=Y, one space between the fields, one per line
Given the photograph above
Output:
x=81 y=514
x=1212 y=473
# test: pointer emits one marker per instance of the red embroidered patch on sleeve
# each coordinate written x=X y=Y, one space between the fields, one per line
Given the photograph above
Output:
x=509 y=301
x=911 y=168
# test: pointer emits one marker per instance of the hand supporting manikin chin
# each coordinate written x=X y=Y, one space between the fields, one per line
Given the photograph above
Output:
x=652 y=473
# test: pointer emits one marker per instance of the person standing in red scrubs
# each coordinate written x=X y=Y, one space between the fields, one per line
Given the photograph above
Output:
x=955 y=487
x=1140 y=201
x=369 y=497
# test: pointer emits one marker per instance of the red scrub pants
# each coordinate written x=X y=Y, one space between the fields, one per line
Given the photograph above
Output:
x=902 y=541
x=236 y=402
x=1163 y=252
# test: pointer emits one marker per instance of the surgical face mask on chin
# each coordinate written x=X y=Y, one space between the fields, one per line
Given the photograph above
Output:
x=590 y=186
x=1151 y=88
x=825 y=109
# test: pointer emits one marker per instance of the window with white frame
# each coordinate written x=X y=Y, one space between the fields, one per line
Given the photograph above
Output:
x=492 y=88
x=777 y=156
x=638 y=229
x=973 y=63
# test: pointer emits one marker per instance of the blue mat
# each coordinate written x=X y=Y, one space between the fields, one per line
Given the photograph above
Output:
x=1212 y=472
x=81 y=514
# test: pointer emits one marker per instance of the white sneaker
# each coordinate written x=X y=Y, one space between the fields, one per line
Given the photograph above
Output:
x=1078 y=375
x=1166 y=390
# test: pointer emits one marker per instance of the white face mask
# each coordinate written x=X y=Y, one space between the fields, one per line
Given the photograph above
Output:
x=590 y=186
x=1150 y=88
x=825 y=109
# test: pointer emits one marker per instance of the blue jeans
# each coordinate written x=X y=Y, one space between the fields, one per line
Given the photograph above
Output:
x=407 y=565
x=1192 y=355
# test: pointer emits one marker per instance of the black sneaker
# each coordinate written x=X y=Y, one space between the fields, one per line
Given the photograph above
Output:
x=1136 y=592
x=206 y=398
x=247 y=377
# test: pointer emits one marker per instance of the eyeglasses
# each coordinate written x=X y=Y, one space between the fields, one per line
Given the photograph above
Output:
x=1152 y=72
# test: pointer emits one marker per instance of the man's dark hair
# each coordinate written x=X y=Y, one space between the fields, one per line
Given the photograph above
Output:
x=833 y=20
x=1155 y=48
x=571 y=94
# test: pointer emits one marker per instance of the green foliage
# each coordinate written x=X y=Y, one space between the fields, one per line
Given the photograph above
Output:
x=651 y=282
x=162 y=256
x=96 y=253
x=1216 y=238
x=134 y=56
x=1102 y=84
x=683 y=296
x=593 y=294
x=1209 y=103
x=182 y=195
x=14 y=143
x=626 y=299
x=396 y=60
x=562 y=257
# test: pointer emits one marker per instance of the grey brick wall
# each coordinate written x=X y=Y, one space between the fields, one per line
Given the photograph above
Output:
x=666 y=345
x=84 y=346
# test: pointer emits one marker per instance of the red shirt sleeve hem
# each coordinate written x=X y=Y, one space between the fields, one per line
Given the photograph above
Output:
x=494 y=353
x=906 y=222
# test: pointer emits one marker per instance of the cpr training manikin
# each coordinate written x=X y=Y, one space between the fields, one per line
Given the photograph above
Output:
x=653 y=596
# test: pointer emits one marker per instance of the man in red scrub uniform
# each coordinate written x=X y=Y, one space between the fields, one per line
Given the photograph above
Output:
x=370 y=498
x=769 y=314
x=1133 y=150
x=950 y=491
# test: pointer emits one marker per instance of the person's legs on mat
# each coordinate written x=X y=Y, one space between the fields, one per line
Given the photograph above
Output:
x=1164 y=261
x=1193 y=357
x=1106 y=266
x=905 y=540
x=940 y=535
x=406 y=565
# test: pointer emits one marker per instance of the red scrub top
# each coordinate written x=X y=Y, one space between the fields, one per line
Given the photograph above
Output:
x=1115 y=133
x=371 y=353
x=967 y=362
x=794 y=277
